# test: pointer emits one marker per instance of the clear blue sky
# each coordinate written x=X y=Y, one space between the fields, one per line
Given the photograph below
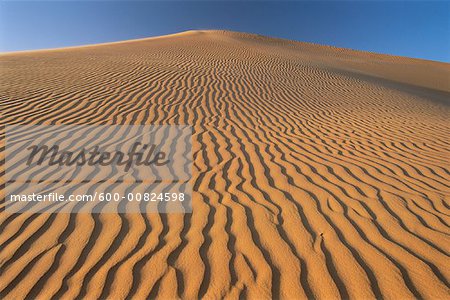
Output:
x=411 y=28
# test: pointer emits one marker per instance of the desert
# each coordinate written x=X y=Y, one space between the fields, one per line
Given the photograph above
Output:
x=318 y=172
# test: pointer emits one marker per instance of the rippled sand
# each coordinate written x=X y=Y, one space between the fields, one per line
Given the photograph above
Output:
x=318 y=172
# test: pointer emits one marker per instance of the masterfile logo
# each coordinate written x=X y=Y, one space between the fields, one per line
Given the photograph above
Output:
x=77 y=168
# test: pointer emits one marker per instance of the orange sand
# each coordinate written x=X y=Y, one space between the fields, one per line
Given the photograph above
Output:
x=318 y=172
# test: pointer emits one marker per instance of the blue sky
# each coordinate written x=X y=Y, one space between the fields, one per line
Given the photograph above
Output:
x=410 y=28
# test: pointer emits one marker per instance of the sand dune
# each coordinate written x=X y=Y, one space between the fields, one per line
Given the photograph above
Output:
x=318 y=172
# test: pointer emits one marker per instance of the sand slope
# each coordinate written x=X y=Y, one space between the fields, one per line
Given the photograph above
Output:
x=318 y=172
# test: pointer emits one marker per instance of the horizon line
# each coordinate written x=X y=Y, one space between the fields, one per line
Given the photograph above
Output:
x=209 y=30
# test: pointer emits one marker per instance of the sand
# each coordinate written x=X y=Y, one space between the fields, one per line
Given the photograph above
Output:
x=318 y=172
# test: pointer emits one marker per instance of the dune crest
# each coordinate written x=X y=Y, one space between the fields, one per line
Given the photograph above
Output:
x=318 y=171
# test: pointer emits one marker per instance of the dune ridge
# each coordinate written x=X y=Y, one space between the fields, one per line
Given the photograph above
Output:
x=319 y=172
